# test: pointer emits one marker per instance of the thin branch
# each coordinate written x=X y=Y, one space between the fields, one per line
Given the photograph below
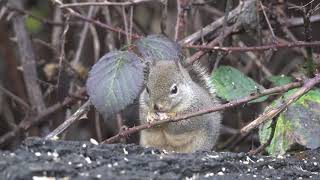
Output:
x=83 y=37
x=234 y=14
x=268 y=22
x=308 y=38
x=125 y=23
x=254 y=48
x=98 y=23
x=224 y=26
x=105 y=3
x=181 y=23
x=272 y=112
x=214 y=42
x=27 y=123
x=296 y=21
x=15 y=98
x=231 y=104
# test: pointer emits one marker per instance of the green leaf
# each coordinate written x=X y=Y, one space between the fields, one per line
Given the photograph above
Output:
x=299 y=124
x=33 y=25
x=231 y=84
x=159 y=47
x=41 y=9
x=280 y=80
x=115 y=81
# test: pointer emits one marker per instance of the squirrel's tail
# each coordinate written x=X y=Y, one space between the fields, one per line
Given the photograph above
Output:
x=201 y=75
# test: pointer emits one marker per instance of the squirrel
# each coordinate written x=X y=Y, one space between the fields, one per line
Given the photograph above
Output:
x=170 y=89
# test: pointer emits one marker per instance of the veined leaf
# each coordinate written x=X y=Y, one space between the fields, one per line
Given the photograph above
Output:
x=159 y=47
x=231 y=84
x=115 y=81
x=280 y=80
x=299 y=124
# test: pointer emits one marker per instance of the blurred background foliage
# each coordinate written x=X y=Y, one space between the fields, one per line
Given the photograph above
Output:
x=67 y=47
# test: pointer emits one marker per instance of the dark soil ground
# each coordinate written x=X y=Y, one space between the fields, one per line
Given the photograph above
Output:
x=38 y=158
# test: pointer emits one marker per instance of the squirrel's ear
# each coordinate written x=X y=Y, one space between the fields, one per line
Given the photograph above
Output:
x=184 y=71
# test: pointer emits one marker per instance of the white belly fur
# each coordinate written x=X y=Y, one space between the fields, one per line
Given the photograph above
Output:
x=186 y=142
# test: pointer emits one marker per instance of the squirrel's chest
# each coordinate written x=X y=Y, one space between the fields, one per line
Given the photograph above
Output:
x=162 y=139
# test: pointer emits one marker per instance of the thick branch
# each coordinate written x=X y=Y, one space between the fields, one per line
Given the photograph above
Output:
x=28 y=59
x=272 y=112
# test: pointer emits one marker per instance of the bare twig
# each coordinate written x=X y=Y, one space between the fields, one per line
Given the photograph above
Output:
x=98 y=23
x=27 y=123
x=110 y=40
x=272 y=112
x=76 y=116
x=57 y=30
x=105 y=3
x=243 y=5
x=308 y=38
x=268 y=22
x=15 y=98
x=204 y=111
x=83 y=36
x=225 y=21
x=296 y=21
x=181 y=24
x=255 y=48
x=125 y=23
x=214 y=42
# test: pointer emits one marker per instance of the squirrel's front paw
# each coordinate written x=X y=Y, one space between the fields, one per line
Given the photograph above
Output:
x=151 y=117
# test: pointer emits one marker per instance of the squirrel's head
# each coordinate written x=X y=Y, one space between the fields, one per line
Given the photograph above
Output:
x=167 y=86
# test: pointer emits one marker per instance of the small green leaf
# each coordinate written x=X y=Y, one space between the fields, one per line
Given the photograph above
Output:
x=231 y=84
x=40 y=10
x=115 y=81
x=159 y=47
x=280 y=80
x=33 y=25
x=299 y=124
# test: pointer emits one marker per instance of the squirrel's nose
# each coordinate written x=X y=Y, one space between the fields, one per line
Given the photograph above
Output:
x=157 y=107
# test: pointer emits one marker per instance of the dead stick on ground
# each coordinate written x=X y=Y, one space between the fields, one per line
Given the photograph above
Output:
x=76 y=116
x=231 y=104
x=272 y=112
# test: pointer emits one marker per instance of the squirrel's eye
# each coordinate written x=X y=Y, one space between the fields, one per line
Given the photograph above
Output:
x=147 y=89
x=174 y=89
